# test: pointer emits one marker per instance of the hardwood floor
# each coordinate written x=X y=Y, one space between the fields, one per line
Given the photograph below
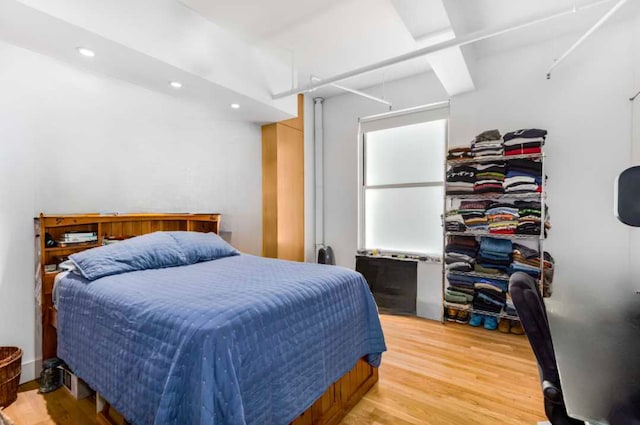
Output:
x=433 y=374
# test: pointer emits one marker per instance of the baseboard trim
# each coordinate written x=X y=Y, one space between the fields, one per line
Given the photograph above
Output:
x=30 y=371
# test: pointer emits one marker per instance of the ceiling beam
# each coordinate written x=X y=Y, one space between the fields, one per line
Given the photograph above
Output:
x=457 y=42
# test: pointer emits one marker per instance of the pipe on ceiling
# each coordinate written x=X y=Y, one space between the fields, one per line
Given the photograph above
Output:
x=590 y=31
x=356 y=92
x=456 y=42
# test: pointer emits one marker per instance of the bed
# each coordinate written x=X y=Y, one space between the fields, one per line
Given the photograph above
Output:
x=234 y=340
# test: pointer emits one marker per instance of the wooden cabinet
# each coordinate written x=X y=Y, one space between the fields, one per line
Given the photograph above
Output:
x=283 y=188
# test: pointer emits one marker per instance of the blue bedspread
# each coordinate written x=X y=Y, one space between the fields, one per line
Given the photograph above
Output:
x=238 y=340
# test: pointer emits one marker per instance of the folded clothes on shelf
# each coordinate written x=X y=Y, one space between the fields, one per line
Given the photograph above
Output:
x=525 y=252
x=489 y=300
x=452 y=294
x=462 y=244
x=491 y=284
x=524 y=142
x=479 y=268
x=488 y=143
x=530 y=133
x=488 y=135
x=460 y=281
x=460 y=253
x=502 y=217
x=473 y=213
x=459 y=262
x=523 y=176
x=489 y=178
x=527 y=260
x=495 y=254
x=454 y=222
x=530 y=218
x=461 y=180
x=493 y=170
x=456 y=257
x=461 y=152
x=525 y=166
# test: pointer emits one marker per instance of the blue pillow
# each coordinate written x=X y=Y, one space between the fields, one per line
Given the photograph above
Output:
x=152 y=251
x=198 y=247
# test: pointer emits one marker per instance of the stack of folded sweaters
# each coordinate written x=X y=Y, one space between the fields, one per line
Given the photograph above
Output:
x=457 y=153
x=459 y=298
x=460 y=253
x=523 y=176
x=503 y=218
x=487 y=143
x=462 y=283
x=494 y=255
x=473 y=213
x=460 y=180
x=527 y=260
x=524 y=142
x=529 y=217
x=454 y=222
x=489 y=298
x=490 y=178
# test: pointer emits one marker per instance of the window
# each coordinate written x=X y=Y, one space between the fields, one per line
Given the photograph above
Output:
x=402 y=180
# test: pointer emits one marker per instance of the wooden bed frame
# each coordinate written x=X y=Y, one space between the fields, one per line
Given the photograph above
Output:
x=329 y=409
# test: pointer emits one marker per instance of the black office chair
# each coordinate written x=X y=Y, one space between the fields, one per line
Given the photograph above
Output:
x=533 y=316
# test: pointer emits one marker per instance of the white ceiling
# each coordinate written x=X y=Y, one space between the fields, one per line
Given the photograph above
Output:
x=325 y=38
x=152 y=42
x=258 y=19
x=329 y=37
x=471 y=16
x=242 y=50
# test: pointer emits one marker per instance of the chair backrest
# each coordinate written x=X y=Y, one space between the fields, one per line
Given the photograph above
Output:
x=528 y=302
x=533 y=316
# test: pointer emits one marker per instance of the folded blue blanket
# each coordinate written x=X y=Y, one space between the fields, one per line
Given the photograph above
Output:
x=238 y=340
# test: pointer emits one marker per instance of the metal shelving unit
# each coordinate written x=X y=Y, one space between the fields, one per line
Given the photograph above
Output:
x=504 y=277
x=539 y=238
x=495 y=235
x=486 y=159
x=494 y=197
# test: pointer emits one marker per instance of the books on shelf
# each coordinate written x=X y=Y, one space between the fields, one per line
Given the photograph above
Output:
x=77 y=238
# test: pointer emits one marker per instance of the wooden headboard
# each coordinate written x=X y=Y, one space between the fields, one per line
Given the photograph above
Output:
x=106 y=226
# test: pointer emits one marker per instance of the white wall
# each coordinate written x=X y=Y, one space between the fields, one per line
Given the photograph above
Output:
x=586 y=110
x=75 y=142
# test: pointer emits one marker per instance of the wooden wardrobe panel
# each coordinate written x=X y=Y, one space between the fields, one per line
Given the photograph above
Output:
x=290 y=188
x=269 y=191
x=283 y=188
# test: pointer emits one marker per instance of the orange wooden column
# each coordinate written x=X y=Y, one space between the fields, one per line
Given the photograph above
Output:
x=283 y=188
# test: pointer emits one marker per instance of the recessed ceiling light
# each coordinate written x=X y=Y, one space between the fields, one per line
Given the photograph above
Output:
x=86 y=52
x=175 y=84
x=235 y=106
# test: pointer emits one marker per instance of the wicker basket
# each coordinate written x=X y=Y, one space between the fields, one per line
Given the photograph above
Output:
x=10 y=368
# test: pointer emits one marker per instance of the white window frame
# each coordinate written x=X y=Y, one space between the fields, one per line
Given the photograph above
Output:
x=419 y=114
